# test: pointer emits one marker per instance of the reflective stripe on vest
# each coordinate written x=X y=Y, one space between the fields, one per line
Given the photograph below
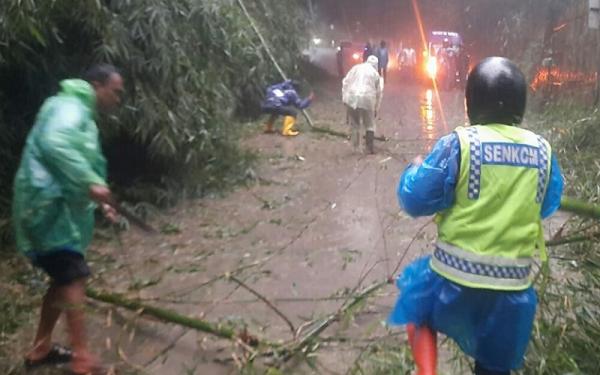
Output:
x=474 y=269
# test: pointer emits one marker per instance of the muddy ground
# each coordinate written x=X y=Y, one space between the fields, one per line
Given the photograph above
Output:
x=315 y=224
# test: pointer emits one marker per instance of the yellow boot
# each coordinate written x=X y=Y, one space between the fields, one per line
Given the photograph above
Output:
x=269 y=125
x=288 y=125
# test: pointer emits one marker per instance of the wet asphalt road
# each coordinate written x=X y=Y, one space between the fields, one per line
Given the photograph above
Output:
x=317 y=221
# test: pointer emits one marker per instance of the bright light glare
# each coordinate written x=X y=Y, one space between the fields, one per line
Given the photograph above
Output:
x=355 y=56
x=415 y=6
x=317 y=41
x=431 y=67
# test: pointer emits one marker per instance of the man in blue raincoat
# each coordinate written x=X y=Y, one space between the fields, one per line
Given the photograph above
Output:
x=60 y=181
x=282 y=99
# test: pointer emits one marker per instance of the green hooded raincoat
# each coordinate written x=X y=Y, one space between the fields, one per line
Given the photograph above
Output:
x=52 y=209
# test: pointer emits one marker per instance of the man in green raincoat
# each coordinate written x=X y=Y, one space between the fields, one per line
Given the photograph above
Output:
x=60 y=181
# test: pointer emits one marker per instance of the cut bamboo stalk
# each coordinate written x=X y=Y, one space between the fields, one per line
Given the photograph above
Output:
x=336 y=133
x=162 y=314
x=580 y=208
x=316 y=331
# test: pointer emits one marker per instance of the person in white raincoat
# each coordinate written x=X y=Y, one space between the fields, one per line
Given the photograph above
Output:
x=362 y=90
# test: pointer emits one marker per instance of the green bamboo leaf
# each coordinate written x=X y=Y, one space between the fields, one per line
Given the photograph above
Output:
x=35 y=33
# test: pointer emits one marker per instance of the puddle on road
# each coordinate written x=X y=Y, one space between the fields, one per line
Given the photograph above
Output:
x=438 y=115
x=429 y=120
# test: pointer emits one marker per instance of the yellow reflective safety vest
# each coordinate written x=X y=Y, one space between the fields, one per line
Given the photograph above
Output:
x=488 y=238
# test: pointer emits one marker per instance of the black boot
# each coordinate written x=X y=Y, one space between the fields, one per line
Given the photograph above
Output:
x=370 y=136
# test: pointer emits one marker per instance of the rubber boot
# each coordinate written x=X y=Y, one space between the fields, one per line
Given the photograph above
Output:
x=269 y=125
x=370 y=136
x=288 y=125
x=423 y=344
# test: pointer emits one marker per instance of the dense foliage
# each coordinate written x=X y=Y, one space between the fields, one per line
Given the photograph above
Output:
x=567 y=334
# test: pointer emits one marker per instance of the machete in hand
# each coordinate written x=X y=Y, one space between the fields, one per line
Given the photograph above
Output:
x=132 y=218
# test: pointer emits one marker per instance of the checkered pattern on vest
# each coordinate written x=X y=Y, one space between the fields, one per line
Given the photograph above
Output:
x=542 y=170
x=481 y=269
x=475 y=161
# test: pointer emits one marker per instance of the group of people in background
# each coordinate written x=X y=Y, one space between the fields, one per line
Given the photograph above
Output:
x=362 y=91
x=382 y=54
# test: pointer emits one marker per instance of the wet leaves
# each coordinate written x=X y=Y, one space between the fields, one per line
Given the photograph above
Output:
x=349 y=256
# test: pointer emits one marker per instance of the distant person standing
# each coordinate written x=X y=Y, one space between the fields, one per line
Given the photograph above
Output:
x=409 y=63
x=383 y=57
x=339 y=59
x=411 y=57
x=362 y=89
x=368 y=51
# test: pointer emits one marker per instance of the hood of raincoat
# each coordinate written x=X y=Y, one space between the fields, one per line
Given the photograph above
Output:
x=363 y=87
x=373 y=60
x=81 y=89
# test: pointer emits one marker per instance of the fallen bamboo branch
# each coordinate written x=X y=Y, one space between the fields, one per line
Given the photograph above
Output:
x=302 y=343
x=265 y=300
x=243 y=338
x=162 y=314
x=336 y=133
x=399 y=264
x=574 y=239
x=580 y=208
x=224 y=275
x=190 y=301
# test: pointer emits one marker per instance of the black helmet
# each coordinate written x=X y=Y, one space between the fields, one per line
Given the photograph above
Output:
x=496 y=92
